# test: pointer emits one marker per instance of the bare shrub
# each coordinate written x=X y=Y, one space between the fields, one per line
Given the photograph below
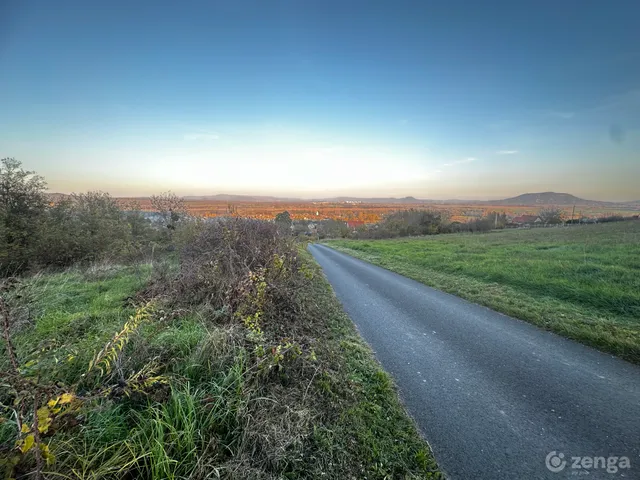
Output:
x=232 y=261
x=172 y=210
x=551 y=215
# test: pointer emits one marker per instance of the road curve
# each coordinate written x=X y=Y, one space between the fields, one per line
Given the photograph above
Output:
x=493 y=395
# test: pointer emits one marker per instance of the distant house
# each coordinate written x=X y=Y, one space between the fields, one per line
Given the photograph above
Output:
x=151 y=216
x=526 y=220
x=312 y=229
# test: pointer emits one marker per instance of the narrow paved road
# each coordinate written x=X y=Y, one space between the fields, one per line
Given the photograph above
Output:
x=493 y=395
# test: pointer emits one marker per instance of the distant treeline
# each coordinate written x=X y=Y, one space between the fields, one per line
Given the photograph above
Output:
x=414 y=222
x=36 y=233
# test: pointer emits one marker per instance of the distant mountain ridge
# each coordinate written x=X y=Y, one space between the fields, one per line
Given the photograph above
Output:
x=224 y=197
x=373 y=200
x=548 y=198
x=526 y=199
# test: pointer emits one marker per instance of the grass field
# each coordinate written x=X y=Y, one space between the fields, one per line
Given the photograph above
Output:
x=580 y=282
x=333 y=413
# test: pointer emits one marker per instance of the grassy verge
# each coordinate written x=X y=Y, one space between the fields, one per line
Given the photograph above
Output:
x=582 y=282
x=192 y=393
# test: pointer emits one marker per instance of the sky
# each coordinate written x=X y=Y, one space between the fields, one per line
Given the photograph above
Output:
x=433 y=99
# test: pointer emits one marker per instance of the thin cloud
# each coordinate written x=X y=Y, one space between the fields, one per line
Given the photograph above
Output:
x=191 y=137
x=507 y=152
x=458 y=162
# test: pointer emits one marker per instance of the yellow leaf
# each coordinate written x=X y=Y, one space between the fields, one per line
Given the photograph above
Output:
x=27 y=443
x=43 y=413
x=53 y=402
x=25 y=428
x=44 y=426
x=46 y=453
x=65 y=398
x=44 y=420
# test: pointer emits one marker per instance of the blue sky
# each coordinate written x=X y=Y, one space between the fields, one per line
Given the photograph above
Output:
x=432 y=99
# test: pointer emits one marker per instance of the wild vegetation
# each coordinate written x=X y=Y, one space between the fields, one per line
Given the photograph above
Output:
x=87 y=227
x=582 y=282
x=216 y=351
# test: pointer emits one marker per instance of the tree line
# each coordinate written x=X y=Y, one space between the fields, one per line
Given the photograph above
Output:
x=415 y=222
x=36 y=232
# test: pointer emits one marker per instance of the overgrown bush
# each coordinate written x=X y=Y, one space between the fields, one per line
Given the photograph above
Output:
x=409 y=222
x=22 y=204
x=332 y=229
x=248 y=269
x=83 y=227
x=613 y=218
x=36 y=232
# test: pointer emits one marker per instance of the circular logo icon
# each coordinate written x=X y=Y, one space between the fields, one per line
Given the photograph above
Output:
x=555 y=461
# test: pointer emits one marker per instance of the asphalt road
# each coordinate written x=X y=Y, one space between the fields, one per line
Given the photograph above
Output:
x=492 y=395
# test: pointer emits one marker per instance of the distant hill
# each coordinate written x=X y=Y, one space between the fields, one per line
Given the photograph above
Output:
x=526 y=199
x=263 y=198
x=372 y=200
x=223 y=197
x=547 y=198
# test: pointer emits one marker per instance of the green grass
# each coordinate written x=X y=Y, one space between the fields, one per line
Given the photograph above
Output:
x=75 y=313
x=335 y=415
x=581 y=282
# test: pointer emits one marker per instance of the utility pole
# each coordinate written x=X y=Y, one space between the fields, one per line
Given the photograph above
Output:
x=573 y=212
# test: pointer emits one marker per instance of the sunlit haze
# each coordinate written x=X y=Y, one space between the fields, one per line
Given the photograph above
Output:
x=436 y=100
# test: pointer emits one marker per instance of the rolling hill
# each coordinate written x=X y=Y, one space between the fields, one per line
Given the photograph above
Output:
x=547 y=198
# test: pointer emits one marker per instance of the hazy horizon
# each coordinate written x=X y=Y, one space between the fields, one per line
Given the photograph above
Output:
x=297 y=99
x=328 y=195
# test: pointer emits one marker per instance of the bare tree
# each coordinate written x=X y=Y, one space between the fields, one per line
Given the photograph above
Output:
x=171 y=208
x=551 y=215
